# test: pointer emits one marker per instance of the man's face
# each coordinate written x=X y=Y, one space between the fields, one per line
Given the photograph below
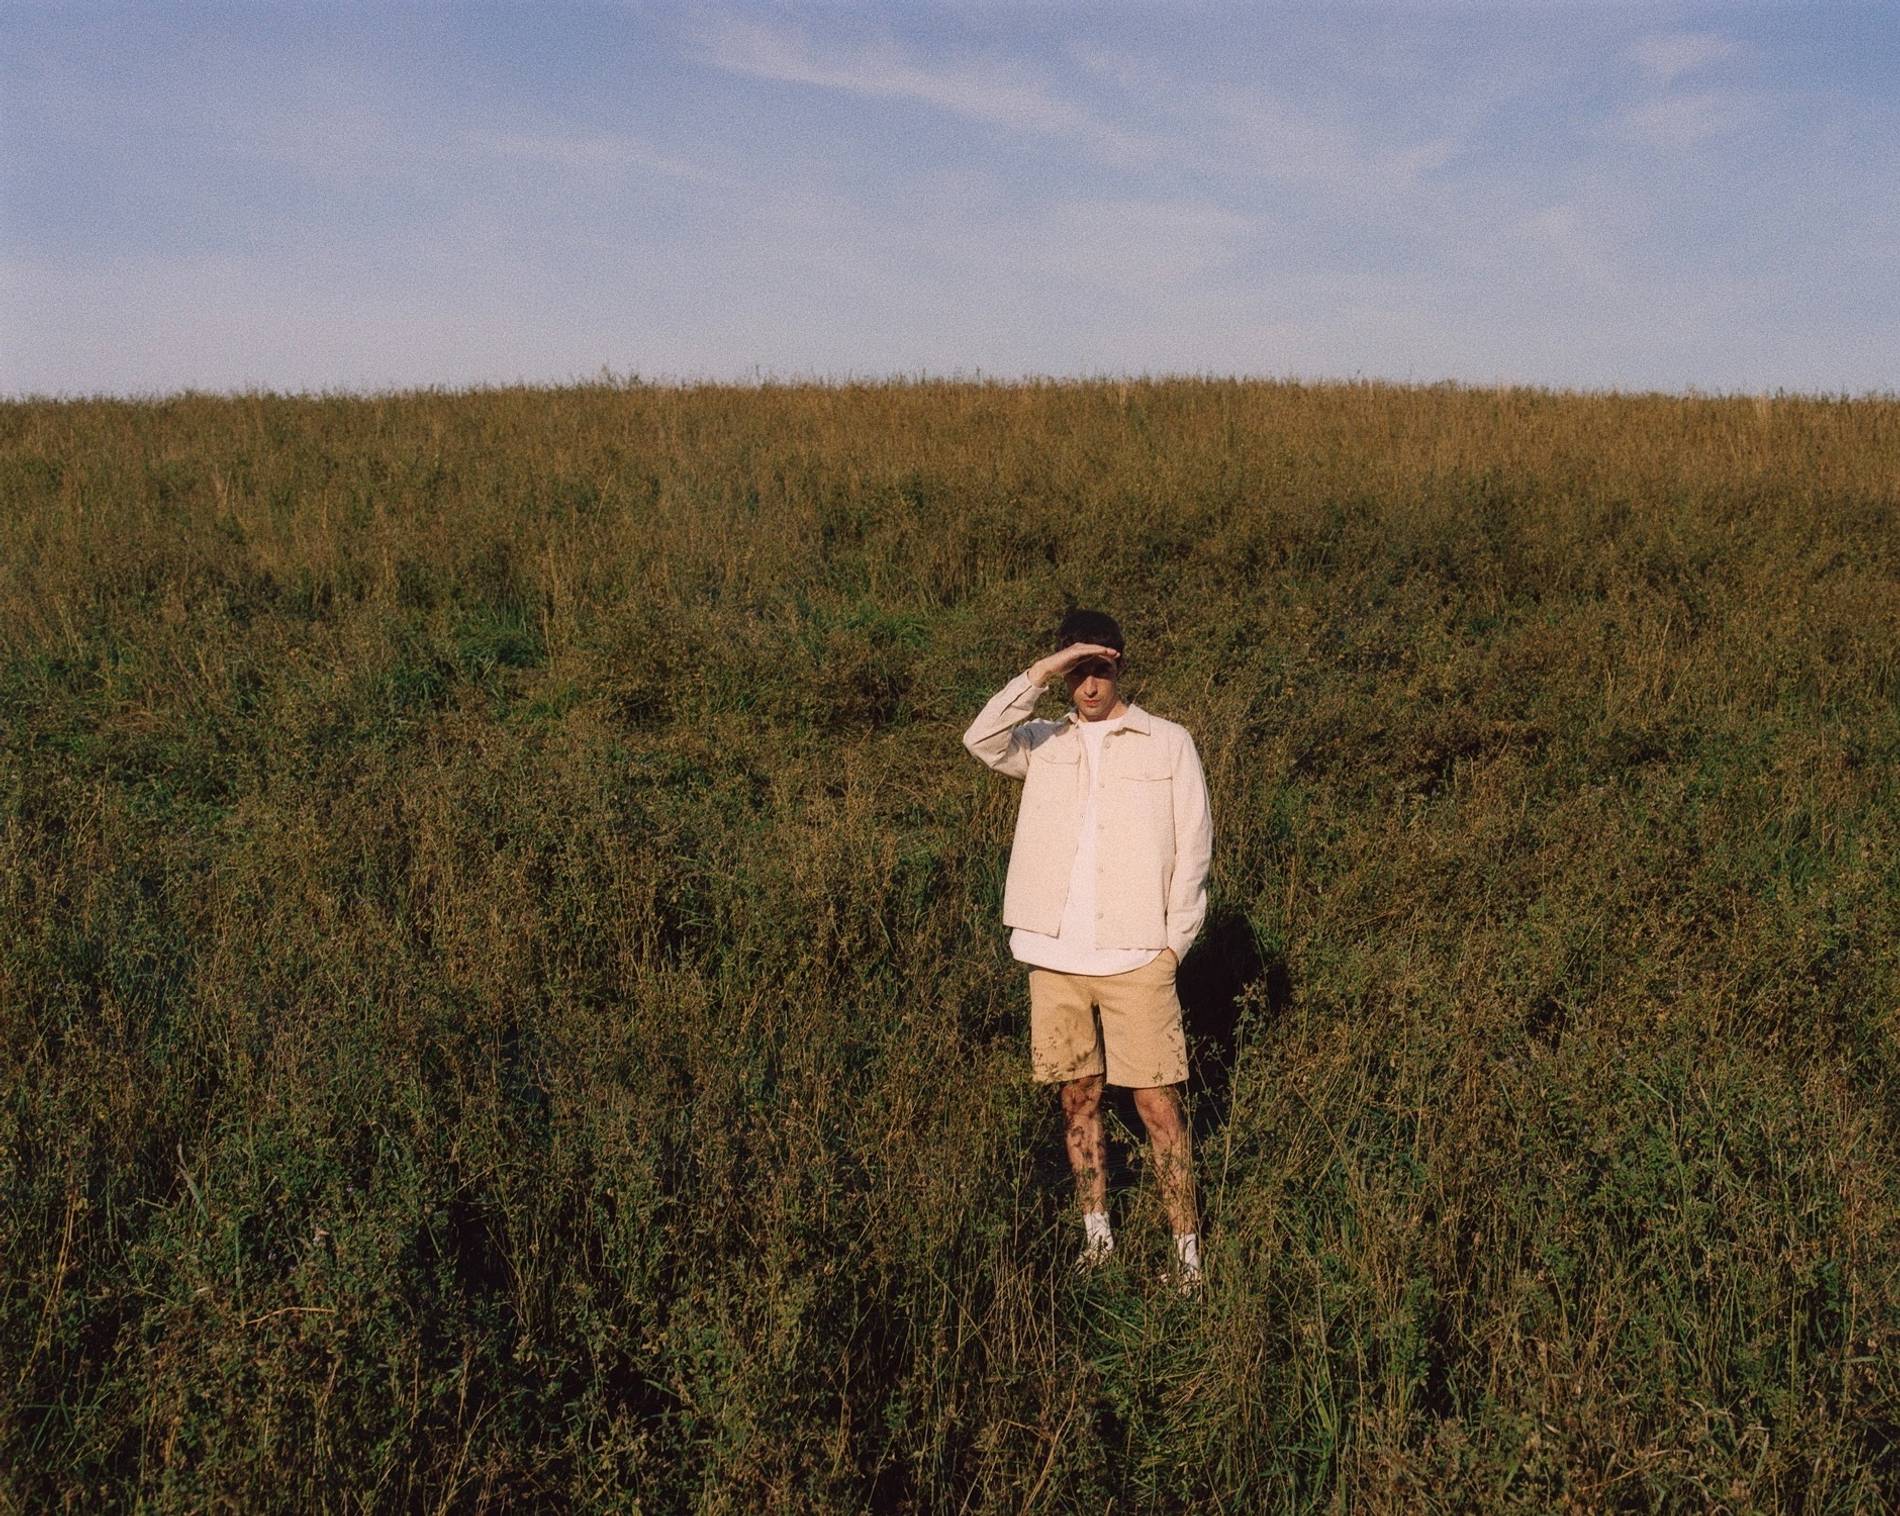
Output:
x=1093 y=687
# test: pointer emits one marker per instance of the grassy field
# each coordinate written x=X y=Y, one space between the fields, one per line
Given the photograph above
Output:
x=502 y=998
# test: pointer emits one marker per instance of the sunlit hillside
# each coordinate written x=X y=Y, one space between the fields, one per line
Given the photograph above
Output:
x=502 y=997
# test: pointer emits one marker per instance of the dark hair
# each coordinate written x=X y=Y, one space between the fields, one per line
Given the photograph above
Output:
x=1089 y=626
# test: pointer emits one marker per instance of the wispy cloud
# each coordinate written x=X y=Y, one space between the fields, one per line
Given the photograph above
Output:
x=1229 y=128
x=1130 y=70
x=1678 y=122
x=591 y=152
x=1572 y=245
x=1666 y=56
x=977 y=89
x=1287 y=143
x=1675 y=121
x=1137 y=245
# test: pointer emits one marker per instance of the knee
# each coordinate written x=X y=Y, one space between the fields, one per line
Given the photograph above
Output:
x=1080 y=1097
x=1160 y=1110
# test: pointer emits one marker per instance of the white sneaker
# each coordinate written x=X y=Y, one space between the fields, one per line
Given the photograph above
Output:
x=1093 y=1256
x=1186 y=1280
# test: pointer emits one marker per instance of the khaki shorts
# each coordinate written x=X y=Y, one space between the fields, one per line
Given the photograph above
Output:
x=1137 y=1041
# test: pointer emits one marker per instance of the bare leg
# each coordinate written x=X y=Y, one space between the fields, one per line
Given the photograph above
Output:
x=1088 y=1148
x=1172 y=1145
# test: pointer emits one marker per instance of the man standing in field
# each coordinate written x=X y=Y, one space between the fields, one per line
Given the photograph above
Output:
x=1107 y=887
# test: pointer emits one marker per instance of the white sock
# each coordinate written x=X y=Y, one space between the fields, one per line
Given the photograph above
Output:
x=1187 y=1246
x=1095 y=1223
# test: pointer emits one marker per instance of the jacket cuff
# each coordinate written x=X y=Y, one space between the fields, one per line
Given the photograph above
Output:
x=1024 y=691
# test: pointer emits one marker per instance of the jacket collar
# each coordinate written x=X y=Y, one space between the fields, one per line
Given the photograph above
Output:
x=1134 y=719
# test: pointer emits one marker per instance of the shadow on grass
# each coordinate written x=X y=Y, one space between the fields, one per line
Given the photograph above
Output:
x=1214 y=984
x=1222 y=967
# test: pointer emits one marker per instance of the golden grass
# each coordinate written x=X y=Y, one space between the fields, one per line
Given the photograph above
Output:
x=503 y=998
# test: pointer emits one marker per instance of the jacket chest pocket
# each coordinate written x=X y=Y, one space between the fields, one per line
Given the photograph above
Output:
x=1141 y=767
x=1053 y=769
x=1056 y=757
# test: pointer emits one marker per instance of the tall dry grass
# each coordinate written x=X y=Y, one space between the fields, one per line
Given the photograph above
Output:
x=501 y=997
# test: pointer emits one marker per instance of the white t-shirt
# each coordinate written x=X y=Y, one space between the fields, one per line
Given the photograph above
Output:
x=1072 y=950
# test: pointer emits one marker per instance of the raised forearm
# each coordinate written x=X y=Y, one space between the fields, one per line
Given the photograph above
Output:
x=993 y=737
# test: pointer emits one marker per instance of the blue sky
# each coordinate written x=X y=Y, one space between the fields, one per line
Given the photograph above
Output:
x=1637 y=196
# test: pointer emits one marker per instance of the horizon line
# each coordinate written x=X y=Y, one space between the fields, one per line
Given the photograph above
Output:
x=761 y=381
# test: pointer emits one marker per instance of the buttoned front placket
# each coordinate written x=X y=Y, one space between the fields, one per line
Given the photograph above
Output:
x=1093 y=791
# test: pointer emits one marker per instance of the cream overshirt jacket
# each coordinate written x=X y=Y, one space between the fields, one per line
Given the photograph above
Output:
x=1154 y=837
